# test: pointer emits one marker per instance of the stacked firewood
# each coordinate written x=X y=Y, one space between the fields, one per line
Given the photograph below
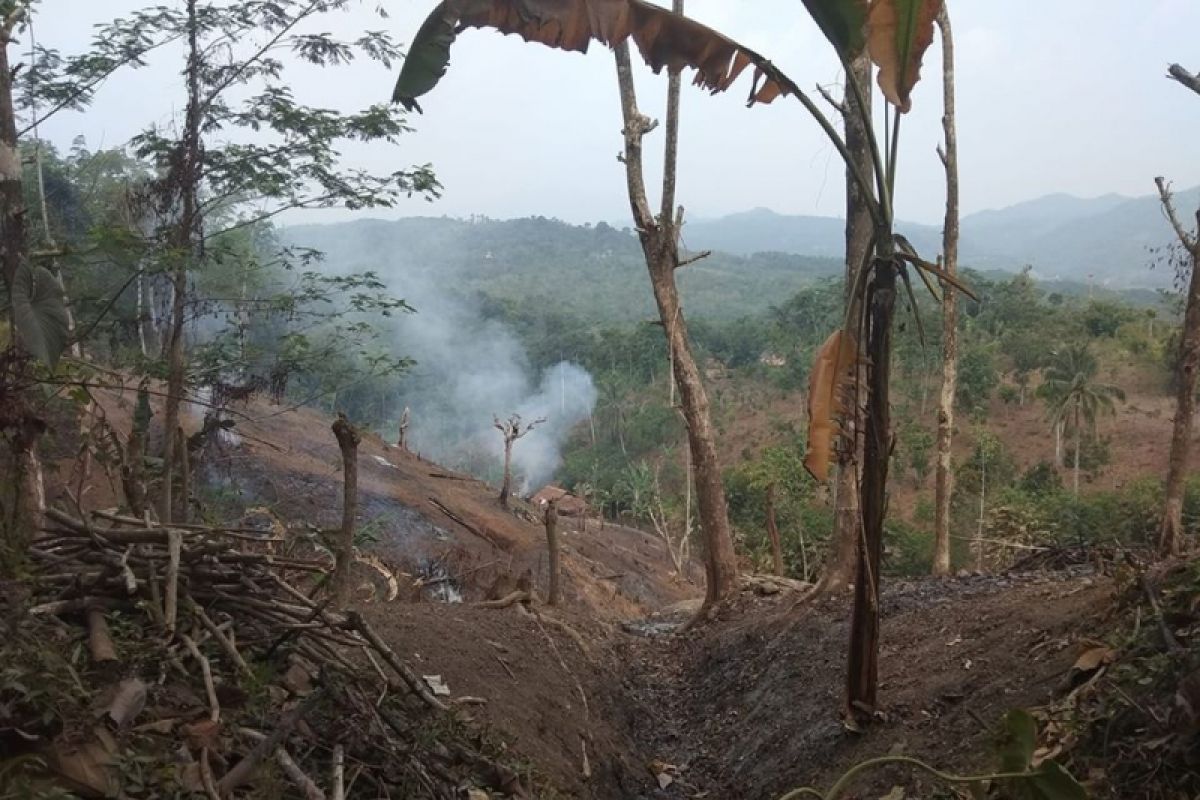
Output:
x=285 y=686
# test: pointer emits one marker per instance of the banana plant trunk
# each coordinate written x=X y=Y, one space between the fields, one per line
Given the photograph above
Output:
x=863 y=663
x=847 y=523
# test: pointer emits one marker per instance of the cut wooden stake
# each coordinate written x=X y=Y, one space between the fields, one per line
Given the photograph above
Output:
x=338 y=781
x=171 y=601
x=100 y=642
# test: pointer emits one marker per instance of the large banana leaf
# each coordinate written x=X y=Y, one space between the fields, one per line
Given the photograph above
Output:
x=898 y=34
x=39 y=314
x=844 y=23
x=665 y=39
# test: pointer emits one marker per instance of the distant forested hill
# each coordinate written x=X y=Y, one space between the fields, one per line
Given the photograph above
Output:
x=593 y=272
x=1109 y=240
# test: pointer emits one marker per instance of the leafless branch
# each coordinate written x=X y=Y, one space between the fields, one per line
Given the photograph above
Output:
x=1178 y=73
x=837 y=104
x=693 y=259
x=1188 y=240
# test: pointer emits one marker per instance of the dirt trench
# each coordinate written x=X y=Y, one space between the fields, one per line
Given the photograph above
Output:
x=748 y=707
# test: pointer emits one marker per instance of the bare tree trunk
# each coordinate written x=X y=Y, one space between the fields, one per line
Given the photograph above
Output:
x=402 y=437
x=1170 y=535
x=659 y=238
x=847 y=526
x=141 y=313
x=551 y=521
x=184 y=177
x=944 y=478
x=1058 y=432
x=133 y=470
x=185 y=477
x=982 y=507
x=23 y=493
x=348 y=439
x=1078 y=447
x=773 y=532
x=506 y=484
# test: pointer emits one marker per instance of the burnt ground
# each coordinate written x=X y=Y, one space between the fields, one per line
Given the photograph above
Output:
x=745 y=707
x=748 y=707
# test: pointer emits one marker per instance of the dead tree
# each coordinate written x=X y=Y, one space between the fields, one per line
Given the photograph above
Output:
x=659 y=237
x=551 y=522
x=773 y=532
x=1187 y=366
x=402 y=436
x=944 y=478
x=511 y=429
x=348 y=439
x=1188 y=359
x=843 y=554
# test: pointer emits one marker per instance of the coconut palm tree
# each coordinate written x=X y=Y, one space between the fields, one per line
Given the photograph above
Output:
x=1074 y=397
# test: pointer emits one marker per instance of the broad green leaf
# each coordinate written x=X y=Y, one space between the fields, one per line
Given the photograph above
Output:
x=39 y=315
x=665 y=39
x=1053 y=782
x=843 y=22
x=1018 y=738
x=898 y=34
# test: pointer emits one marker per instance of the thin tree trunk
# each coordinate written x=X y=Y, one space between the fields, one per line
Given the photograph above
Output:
x=944 y=478
x=506 y=483
x=551 y=521
x=659 y=239
x=1187 y=367
x=184 y=178
x=773 y=532
x=141 y=313
x=1058 y=432
x=1078 y=447
x=348 y=439
x=847 y=528
x=185 y=477
x=25 y=504
x=982 y=507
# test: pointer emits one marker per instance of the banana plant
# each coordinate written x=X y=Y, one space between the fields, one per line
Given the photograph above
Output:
x=895 y=34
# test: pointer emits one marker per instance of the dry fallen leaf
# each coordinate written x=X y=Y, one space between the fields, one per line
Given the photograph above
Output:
x=1094 y=658
x=128 y=702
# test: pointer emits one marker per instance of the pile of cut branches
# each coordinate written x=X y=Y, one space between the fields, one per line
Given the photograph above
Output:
x=144 y=660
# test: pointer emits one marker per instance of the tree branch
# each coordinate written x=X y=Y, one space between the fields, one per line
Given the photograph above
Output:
x=1188 y=240
x=838 y=106
x=1178 y=73
x=636 y=126
x=693 y=259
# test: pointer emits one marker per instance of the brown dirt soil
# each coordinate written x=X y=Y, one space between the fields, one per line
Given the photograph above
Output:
x=286 y=461
x=745 y=707
x=749 y=707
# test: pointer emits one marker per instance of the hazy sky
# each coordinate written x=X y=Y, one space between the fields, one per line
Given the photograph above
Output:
x=1054 y=96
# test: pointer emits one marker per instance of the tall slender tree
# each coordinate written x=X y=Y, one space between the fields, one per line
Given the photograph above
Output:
x=1187 y=364
x=944 y=478
x=659 y=236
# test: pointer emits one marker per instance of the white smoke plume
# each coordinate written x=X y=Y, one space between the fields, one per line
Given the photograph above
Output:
x=470 y=371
